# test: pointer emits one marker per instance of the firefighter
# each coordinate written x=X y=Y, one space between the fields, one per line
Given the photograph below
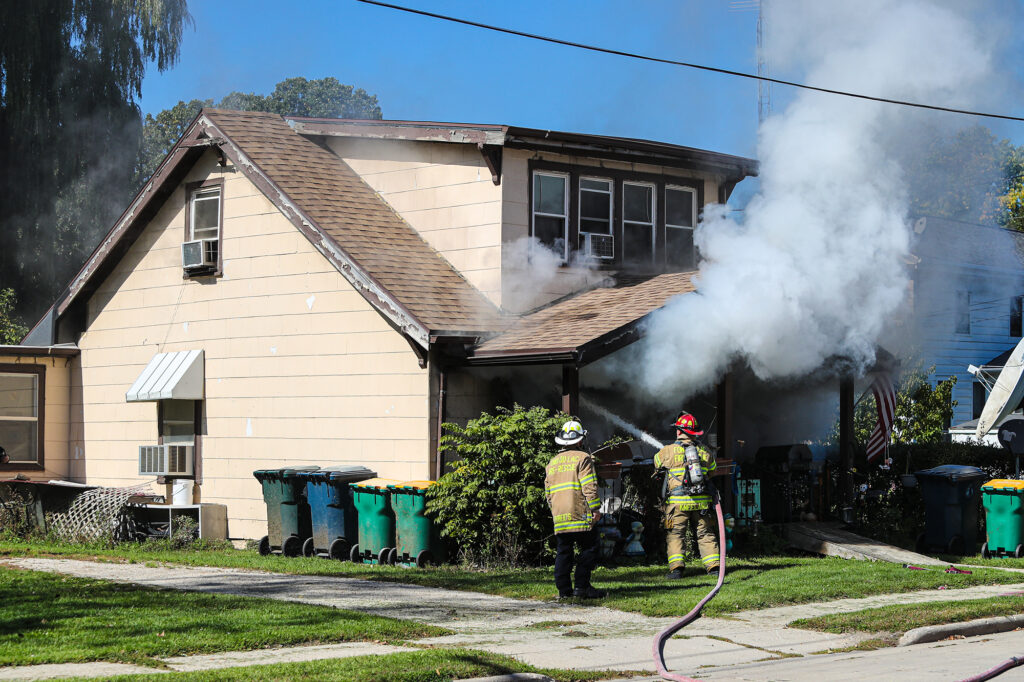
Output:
x=570 y=485
x=688 y=495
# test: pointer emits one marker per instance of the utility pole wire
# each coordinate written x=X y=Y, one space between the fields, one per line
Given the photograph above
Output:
x=660 y=60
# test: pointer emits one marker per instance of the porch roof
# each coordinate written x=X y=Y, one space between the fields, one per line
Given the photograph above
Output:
x=584 y=327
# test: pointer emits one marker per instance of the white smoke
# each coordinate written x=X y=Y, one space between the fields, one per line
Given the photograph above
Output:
x=815 y=270
x=534 y=275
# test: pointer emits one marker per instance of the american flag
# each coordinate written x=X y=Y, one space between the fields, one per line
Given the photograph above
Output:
x=885 y=400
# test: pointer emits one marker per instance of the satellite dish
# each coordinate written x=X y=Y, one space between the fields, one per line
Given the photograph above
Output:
x=1011 y=435
x=1006 y=393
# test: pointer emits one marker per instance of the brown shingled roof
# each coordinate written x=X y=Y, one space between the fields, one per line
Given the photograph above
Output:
x=600 y=317
x=342 y=206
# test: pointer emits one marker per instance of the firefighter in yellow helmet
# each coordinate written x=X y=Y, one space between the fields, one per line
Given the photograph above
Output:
x=570 y=485
x=688 y=495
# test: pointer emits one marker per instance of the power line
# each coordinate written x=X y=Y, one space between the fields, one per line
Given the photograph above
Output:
x=713 y=69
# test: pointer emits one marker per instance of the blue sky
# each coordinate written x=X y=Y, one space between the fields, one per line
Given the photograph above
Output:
x=426 y=69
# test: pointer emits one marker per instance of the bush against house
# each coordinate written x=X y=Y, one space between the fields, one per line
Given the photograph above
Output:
x=491 y=503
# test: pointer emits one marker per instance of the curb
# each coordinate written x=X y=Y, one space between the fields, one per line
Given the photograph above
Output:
x=984 y=626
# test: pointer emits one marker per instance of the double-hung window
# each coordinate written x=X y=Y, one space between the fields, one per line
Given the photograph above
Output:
x=1015 y=316
x=595 y=226
x=680 y=219
x=203 y=230
x=551 y=211
x=21 y=407
x=638 y=232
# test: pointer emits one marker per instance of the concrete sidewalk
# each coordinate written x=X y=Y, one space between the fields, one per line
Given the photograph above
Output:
x=592 y=638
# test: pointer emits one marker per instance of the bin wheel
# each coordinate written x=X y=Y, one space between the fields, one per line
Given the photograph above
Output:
x=985 y=554
x=339 y=550
x=264 y=546
x=956 y=545
x=292 y=546
x=1019 y=552
x=387 y=556
x=353 y=555
x=424 y=558
x=919 y=545
x=308 y=547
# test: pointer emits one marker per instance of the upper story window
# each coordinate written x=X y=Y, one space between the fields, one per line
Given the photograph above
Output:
x=680 y=220
x=201 y=250
x=615 y=217
x=1015 y=315
x=551 y=211
x=21 y=414
x=595 y=225
x=963 y=312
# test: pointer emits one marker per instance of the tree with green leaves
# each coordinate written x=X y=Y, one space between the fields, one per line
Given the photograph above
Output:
x=70 y=74
x=323 y=98
x=491 y=502
x=11 y=329
x=922 y=411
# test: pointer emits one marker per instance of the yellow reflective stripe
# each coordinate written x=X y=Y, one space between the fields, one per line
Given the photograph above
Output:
x=594 y=504
x=675 y=557
x=684 y=499
x=571 y=525
x=677 y=472
x=710 y=559
x=588 y=479
x=712 y=466
x=573 y=485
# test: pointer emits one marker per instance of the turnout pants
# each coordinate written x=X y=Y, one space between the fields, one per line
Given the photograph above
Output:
x=565 y=543
x=675 y=521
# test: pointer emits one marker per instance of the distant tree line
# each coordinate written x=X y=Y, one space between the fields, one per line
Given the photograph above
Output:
x=74 y=147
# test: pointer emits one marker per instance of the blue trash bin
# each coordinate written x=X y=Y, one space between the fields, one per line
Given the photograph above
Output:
x=951 y=502
x=335 y=525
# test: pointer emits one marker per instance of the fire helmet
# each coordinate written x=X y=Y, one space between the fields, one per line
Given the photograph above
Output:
x=687 y=423
x=572 y=432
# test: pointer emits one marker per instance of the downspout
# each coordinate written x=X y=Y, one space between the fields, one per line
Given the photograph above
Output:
x=442 y=392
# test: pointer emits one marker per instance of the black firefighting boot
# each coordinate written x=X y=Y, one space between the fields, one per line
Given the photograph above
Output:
x=675 y=573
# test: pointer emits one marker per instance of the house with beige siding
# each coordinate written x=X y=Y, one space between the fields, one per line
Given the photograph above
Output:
x=309 y=291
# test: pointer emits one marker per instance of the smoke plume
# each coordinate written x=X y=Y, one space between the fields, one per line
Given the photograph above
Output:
x=816 y=269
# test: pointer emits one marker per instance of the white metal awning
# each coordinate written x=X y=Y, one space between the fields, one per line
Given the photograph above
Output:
x=175 y=376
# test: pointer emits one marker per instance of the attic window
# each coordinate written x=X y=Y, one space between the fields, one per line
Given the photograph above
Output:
x=204 y=215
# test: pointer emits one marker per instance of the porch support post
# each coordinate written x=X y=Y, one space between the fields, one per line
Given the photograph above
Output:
x=725 y=417
x=845 y=448
x=570 y=389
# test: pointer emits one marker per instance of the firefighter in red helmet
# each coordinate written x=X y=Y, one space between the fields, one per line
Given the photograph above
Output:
x=688 y=466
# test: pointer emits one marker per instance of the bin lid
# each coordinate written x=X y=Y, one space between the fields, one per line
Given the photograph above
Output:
x=413 y=485
x=261 y=474
x=340 y=472
x=954 y=472
x=1003 y=484
x=377 y=483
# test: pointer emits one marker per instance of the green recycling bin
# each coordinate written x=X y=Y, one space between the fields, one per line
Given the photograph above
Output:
x=288 y=519
x=417 y=539
x=376 y=521
x=1003 y=500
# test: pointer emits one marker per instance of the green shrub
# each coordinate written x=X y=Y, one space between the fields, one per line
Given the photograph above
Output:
x=491 y=503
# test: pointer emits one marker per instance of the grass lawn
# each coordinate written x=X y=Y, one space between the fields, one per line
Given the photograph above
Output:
x=49 y=618
x=429 y=665
x=903 y=617
x=750 y=584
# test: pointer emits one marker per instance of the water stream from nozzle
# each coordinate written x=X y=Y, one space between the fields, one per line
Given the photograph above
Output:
x=615 y=419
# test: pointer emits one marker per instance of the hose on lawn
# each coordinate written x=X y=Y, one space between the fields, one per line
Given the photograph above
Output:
x=664 y=635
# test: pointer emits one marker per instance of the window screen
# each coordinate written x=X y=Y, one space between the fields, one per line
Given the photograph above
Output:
x=205 y=217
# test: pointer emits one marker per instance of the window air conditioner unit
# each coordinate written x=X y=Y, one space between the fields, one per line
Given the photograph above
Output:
x=199 y=254
x=166 y=460
x=598 y=245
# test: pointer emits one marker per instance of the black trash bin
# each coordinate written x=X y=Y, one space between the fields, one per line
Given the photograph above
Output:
x=951 y=502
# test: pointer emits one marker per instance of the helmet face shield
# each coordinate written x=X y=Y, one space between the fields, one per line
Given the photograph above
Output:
x=687 y=423
x=572 y=433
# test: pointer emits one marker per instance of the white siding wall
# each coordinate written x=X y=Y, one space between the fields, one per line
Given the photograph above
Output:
x=299 y=367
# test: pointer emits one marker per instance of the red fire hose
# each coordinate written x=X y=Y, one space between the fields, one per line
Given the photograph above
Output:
x=664 y=635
